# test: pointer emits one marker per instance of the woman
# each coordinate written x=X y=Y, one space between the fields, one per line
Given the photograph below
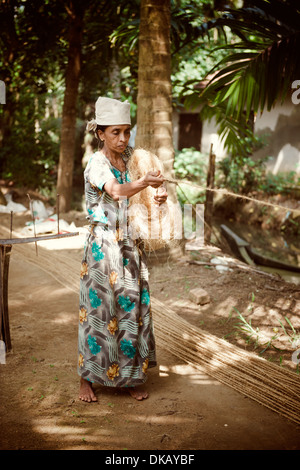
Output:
x=116 y=342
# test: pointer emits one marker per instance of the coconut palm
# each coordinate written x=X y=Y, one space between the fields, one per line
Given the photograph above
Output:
x=154 y=100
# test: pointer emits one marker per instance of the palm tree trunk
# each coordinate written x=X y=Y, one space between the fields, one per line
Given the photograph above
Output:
x=68 y=127
x=154 y=100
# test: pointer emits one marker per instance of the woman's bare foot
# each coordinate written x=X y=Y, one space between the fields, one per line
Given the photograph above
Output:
x=138 y=394
x=86 y=392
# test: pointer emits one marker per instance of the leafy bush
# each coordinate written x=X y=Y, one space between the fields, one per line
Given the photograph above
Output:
x=29 y=162
x=29 y=152
x=283 y=183
x=191 y=165
x=242 y=174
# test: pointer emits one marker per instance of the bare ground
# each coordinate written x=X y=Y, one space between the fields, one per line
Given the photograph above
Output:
x=186 y=409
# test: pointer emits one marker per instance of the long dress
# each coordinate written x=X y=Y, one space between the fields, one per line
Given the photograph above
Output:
x=116 y=344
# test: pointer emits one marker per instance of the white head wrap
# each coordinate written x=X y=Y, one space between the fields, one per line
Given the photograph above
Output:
x=110 y=112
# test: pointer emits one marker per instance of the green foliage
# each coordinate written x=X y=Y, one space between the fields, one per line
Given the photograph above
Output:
x=283 y=183
x=29 y=158
x=190 y=165
x=265 y=340
x=258 y=64
x=31 y=54
x=244 y=174
x=189 y=61
x=105 y=41
x=33 y=59
x=239 y=171
x=187 y=194
x=29 y=162
x=258 y=70
x=188 y=70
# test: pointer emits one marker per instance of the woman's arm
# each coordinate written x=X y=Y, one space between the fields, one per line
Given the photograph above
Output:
x=116 y=190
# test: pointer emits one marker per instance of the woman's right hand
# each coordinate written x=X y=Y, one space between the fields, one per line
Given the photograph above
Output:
x=154 y=179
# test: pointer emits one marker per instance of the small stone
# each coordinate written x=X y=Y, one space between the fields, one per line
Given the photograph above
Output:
x=199 y=296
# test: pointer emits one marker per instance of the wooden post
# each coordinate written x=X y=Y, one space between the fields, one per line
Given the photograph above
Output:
x=209 y=200
x=5 y=251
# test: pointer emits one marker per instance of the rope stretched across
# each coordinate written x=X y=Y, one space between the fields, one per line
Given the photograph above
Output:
x=268 y=384
x=225 y=192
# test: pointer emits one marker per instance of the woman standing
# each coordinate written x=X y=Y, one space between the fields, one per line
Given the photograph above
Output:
x=116 y=341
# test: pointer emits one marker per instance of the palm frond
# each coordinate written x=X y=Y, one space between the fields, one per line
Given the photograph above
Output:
x=256 y=72
x=231 y=131
x=253 y=80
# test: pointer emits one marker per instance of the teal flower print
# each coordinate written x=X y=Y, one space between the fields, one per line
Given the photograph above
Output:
x=91 y=213
x=94 y=347
x=127 y=348
x=145 y=298
x=98 y=255
x=125 y=303
x=98 y=215
x=125 y=261
x=95 y=301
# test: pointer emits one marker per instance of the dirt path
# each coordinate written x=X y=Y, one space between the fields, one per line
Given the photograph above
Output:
x=186 y=410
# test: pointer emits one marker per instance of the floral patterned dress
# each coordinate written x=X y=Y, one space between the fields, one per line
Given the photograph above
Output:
x=116 y=340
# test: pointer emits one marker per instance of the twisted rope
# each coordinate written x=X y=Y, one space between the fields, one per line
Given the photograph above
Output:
x=225 y=192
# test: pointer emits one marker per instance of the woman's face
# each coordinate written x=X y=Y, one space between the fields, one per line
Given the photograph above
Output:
x=116 y=137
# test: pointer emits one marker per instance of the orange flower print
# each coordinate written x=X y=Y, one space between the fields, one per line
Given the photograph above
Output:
x=113 y=278
x=82 y=315
x=119 y=235
x=145 y=366
x=97 y=190
x=113 y=371
x=112 y=326
x=80 y=360
x=84 y=269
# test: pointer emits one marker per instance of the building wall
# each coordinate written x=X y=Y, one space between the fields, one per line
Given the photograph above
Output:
x=281 y=125
x=280 y=128
x=207 y=135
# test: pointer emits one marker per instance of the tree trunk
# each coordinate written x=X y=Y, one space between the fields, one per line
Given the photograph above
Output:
x=68 y=126
x=209 y=201
x=12 y=45
x=115 y=78
x=154 y=101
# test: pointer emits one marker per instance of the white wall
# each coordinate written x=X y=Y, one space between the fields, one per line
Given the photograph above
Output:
x=280 y=127
x=209 y=136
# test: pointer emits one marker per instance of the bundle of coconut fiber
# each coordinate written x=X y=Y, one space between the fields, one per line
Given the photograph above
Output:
x=157 y=225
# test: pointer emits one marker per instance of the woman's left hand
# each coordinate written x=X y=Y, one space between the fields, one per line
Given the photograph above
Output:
x=161 y=195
